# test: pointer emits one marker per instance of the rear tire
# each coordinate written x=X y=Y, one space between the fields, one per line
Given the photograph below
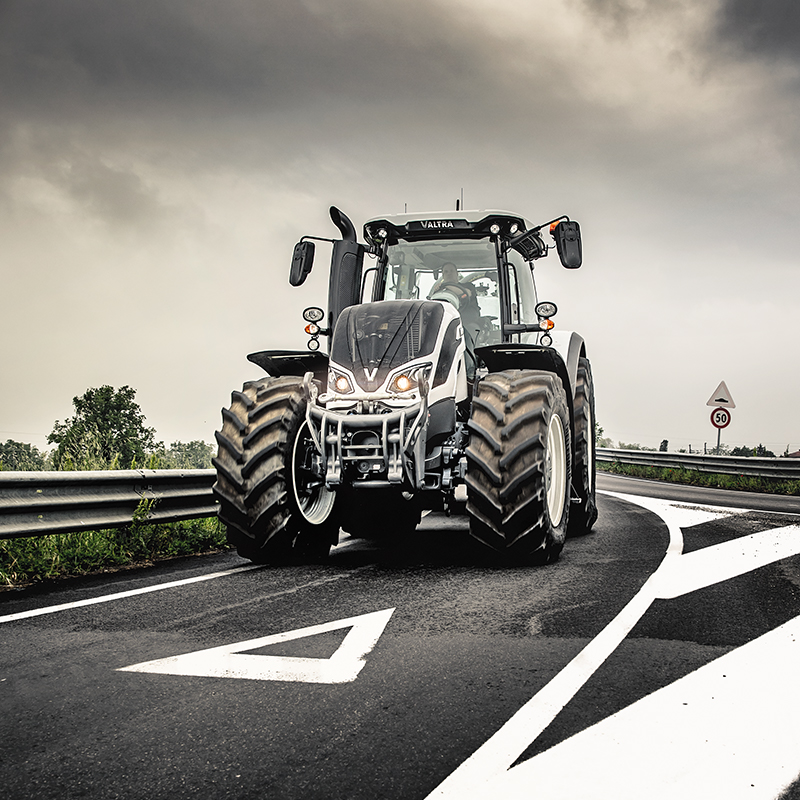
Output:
x=276 y=508
x=583 y=514
x=518 y=465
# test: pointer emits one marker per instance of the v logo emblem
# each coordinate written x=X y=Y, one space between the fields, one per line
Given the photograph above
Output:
x=371 y=373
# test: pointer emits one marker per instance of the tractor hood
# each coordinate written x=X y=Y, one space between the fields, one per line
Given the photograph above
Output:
x=372 y=339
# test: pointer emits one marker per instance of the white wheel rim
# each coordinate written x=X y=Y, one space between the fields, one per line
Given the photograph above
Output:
x=555 y=470
x=317 y=505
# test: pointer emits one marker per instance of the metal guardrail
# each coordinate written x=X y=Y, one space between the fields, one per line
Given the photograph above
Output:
x=41 y=503
x=787 y=468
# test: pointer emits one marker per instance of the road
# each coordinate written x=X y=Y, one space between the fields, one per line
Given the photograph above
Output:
x=657 y=658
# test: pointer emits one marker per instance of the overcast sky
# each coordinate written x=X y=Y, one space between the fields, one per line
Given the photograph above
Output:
x=159 y=159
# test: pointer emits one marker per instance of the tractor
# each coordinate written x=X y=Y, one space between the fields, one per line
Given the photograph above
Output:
x=446 y=387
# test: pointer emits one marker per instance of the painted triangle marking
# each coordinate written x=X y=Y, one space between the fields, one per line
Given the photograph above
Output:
x=231 y=660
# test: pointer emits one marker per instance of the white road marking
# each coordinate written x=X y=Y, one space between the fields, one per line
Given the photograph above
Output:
x=726 y=730
x=720 y=562
x=229 y=661
x=106 y=598
x=685 y=515
x=476 y=777
x=486 y=774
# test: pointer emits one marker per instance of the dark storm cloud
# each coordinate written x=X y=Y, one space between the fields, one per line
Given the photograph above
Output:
x=769 y=28
x=60 y=58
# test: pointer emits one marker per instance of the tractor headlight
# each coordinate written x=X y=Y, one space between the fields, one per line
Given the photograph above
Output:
x=408 y=380
x=339 y=382
x=403 y=383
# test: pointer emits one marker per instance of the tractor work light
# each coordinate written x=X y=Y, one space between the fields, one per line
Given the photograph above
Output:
x=546 y=309
x=313 y=314
x=495 y=228
x=547 y=324
x=313 y=344
x=312 y=329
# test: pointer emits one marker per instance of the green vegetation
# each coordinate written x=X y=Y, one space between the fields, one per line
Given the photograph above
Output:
x=21 y=456
x=66 y=554
x=693 y=477
x=183 y=455
x=108 y=431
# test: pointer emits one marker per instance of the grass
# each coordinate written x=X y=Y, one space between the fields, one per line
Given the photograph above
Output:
x=692 y=477
x=32 y=559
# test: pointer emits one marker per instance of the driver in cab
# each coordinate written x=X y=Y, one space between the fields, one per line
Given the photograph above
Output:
x=468 y=309
x=451 y=278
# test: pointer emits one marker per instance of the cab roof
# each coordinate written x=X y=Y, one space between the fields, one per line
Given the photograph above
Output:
x=445 y=224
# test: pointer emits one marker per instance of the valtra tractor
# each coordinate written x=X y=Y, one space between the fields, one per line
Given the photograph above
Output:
x=446 y=387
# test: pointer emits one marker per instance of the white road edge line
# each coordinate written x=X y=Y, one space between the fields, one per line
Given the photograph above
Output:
x=37 y=612
x=473 y=779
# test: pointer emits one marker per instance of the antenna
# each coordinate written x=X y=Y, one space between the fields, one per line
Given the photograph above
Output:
x=462 y=197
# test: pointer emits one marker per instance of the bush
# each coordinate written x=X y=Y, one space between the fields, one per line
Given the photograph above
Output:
x=66 y=554
x=692 y=477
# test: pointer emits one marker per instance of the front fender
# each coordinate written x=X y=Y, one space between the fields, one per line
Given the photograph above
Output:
x=561 y=357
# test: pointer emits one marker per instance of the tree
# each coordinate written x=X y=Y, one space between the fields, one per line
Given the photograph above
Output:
x=20 y=456
x=759 y=451
x=599 y=439
x=186 y=455
x=107 y=432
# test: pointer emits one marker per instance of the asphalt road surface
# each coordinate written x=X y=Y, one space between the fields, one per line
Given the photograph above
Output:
x=658 y=658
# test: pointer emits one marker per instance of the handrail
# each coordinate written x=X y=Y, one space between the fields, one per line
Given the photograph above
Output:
x=755 y=466
x=41 y=503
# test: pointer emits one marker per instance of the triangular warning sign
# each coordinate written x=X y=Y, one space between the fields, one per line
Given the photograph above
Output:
x=721 y=397
x=232 y=660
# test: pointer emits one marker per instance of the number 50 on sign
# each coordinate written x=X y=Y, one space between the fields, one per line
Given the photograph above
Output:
x=720 y=417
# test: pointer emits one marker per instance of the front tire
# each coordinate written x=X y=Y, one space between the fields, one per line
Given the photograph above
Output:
x=519 y=465
x=271 y=497
x=583 y=514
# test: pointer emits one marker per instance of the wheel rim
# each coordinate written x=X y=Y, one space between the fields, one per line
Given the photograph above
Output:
x=314 y=501
x=555 y=469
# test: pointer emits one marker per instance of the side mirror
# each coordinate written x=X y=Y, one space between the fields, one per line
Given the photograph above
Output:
x=302 y=261
x=568 y=243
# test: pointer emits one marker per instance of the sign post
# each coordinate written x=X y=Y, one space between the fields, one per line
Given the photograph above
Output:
x=721 y=401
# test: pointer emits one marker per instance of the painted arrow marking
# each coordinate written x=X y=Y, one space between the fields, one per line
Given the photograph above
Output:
x=231 y=660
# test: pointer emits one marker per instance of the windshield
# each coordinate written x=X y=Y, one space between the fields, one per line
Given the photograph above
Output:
x=460 y=271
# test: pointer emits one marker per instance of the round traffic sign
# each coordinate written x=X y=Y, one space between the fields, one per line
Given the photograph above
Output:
x=720 y=417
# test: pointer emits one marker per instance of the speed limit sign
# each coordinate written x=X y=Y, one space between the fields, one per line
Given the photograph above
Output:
x=720 y=417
